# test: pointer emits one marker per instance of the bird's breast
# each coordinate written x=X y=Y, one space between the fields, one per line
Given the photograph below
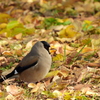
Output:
x=37 y=72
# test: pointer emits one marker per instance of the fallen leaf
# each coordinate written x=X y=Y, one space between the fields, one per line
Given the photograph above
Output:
x=10 y=97
x=38 y=88
x=82 y=74
x=17 y=46
x=92 y=93
x=31 y=85
x=14 y=90
x=93 y=64
x=35 y=89
x=18 y=52
x=52 y=73
x=68 y=32
x=1 y=93
x=3 y=25
x=57 y=93
x=83 y=87
x=86 y=49
x=29 y=44
x=7 y=53
x=58 y=57
x=18 y=36
x=3 y=42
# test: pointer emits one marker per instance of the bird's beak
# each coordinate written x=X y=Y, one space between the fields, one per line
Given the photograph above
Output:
x=52 y=50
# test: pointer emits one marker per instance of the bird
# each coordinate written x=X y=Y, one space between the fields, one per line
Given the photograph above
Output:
x=35 y=65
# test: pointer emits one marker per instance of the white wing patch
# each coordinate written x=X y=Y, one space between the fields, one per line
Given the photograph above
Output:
x=15 y=72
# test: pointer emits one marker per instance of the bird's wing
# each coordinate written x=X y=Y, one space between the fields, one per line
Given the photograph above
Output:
x=26 y=63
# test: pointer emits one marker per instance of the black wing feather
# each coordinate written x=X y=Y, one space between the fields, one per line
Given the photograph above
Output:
x=18 y=69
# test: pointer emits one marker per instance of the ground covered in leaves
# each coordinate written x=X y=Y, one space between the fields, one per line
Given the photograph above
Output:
x=72 y=27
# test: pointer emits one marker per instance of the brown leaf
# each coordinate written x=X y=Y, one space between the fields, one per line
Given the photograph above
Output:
x=29 y=44
x=7 y=53
x=86 y=49
x=14 y=90
x=94 y=64
x=18 y=52
x=82 y=74
x=18 y=36
x=83 y=87
x=78 y=86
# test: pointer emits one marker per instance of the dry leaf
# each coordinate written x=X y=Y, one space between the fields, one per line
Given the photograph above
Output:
x=1 y=93
x=38 y=88
x=82 y=75
x=58 y=47
x=10 y=97
x=56 y=78
x=18 y=52
x=83 y=87
x=57 y=93
x=52 y=73
x=64 y=73
x=35 y=89
x=94 y=64
x=7 y=53
x=31 y=85
x=18 y=36
x=3 y=25
x=92 y=93
x=14 y=90
x=86 y=49
x=68 y=32
x=78 y=86
x=29 y=44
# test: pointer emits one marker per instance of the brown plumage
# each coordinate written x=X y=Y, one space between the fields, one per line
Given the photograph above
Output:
x=35 y=65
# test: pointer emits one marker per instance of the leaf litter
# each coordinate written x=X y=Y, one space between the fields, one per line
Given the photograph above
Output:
x=72 y=28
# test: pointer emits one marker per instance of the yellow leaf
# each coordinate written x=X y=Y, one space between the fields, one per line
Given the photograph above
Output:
x=59 y=20
x=86 y=49
x=67 y=96
x=7 y=53
x=88 y=22
x=96 y=42
x=68 y=32
x=58 y=57
x=52 y=73
x=3 y=25
x=28 y=19
x=57 y=93
x=62 y=33
x=1 y=93
x=16 y=12
x=18 y=52
x=4 y=17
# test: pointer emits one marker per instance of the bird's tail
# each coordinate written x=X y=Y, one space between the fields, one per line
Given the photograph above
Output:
x=7 y=76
